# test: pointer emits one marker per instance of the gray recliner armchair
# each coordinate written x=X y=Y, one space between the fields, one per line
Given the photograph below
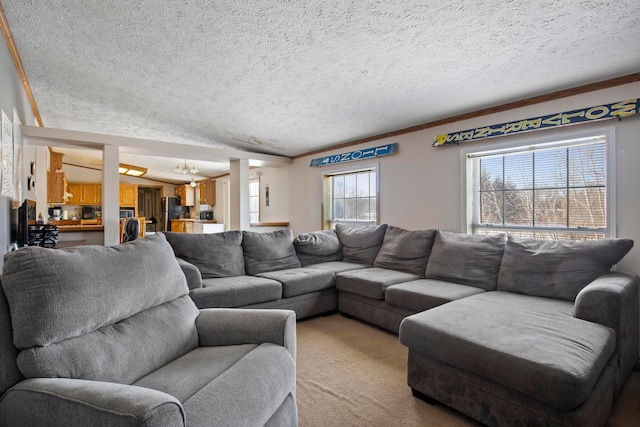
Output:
x=99 y=335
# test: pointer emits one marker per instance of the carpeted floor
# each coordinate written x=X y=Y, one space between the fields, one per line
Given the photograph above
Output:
x=354 y=374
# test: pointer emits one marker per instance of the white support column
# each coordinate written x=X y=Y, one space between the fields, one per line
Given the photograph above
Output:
x=239 y=197
x=111 y=195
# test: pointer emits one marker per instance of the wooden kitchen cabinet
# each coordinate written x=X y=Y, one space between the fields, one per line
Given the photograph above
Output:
x=186 y=194
x=56 y=187
x=208 y=192
x=129 y=195
x=85 y=194
x=178 y=226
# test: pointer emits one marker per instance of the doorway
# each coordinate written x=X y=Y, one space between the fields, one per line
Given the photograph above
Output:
x=149 y=199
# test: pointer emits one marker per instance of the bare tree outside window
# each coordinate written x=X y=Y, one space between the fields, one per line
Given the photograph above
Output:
x=554 y=192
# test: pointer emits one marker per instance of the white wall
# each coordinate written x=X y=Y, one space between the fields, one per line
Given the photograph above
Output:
x=12 y=96
x=420 y=185
x=279 y=182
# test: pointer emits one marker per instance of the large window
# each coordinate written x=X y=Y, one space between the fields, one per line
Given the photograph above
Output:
x=351 y=198
x=254 y=200
x=550 y=191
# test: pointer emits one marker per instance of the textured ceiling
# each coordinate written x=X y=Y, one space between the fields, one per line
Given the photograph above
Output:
x=288 y=77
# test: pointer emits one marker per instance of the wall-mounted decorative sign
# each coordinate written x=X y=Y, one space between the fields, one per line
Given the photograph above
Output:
x=600 y=112
x=367 y=153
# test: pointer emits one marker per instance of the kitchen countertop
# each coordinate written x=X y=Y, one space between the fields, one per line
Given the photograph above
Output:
x=74 y=228
x=203 y=221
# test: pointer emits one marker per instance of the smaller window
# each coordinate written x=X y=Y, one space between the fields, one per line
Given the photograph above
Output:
x=351 y=198
x=254 y=200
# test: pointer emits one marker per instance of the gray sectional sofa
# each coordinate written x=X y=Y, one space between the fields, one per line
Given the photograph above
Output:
x=508 y=331
x=94 y=336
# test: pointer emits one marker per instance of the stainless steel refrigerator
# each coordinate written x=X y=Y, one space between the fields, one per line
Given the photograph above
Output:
x=171 y=209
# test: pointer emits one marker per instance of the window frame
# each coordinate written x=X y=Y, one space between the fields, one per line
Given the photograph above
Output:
x=327 y=200
x=254 y=179
x=544 y=138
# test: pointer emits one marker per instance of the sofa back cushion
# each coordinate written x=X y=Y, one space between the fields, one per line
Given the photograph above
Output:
x=215 y=255
x=318 y=246
x=467 y=259
x=557 y=268
x=360 y=244
x=271 y=251
x=101 y=313
x=405 y=250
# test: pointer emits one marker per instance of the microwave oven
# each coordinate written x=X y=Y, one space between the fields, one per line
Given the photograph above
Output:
x=126 y=213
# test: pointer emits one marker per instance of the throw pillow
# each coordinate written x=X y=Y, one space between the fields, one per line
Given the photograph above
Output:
x=466 y=259
x=318 y=246
x=216 y=255
x=557 y=268
x=405 y=250
x=269 y=251
x=360 y=244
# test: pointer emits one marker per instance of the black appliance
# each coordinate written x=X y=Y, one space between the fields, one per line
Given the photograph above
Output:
x=26 y=217
x=43 y=235
x=206 y=215
x=171 y=209
x=89 y=212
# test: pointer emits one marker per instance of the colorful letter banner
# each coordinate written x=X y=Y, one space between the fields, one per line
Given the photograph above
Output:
x=600 y=112
x=367 y=153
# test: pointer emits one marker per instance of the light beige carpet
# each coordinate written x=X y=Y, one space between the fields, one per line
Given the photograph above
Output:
x=354 y=374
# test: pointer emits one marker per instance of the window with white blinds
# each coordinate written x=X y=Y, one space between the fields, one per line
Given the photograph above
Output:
x=550 y=191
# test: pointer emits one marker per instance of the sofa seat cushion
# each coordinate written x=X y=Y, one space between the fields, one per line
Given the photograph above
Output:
x=298 y=281
x=371 y=282
x=227 y=385
x=235 y=291
x=424 y=294
x=529 y=344
x=338 y=266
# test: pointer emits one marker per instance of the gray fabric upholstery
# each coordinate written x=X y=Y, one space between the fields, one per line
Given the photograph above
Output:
x=62 y=402
x=191 y=273
x=360 y=244
x=9 y=372
x=286 y=415
x=236 y=291
x=611 y=300
x=55 y=295
x=337 y=266
x=318 y=246
x=374 y=311
x=467 y=259
x=269 y=251
x=122 y=315
x=546 y=354
x=405 y=250
x=556 y=268
x=298 y=281
x=495 y=405
x=371 y=282
x=305 y=305
x=423 y=294
x=215 y=254
x=221 y=327
x=246 y=394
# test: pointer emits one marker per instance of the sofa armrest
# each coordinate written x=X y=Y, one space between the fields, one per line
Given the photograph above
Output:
x=612 y=300
x=233 y=326
x=191 y=272
x=73 y=402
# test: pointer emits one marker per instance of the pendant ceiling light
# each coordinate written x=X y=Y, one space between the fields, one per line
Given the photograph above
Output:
x=184 y=169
